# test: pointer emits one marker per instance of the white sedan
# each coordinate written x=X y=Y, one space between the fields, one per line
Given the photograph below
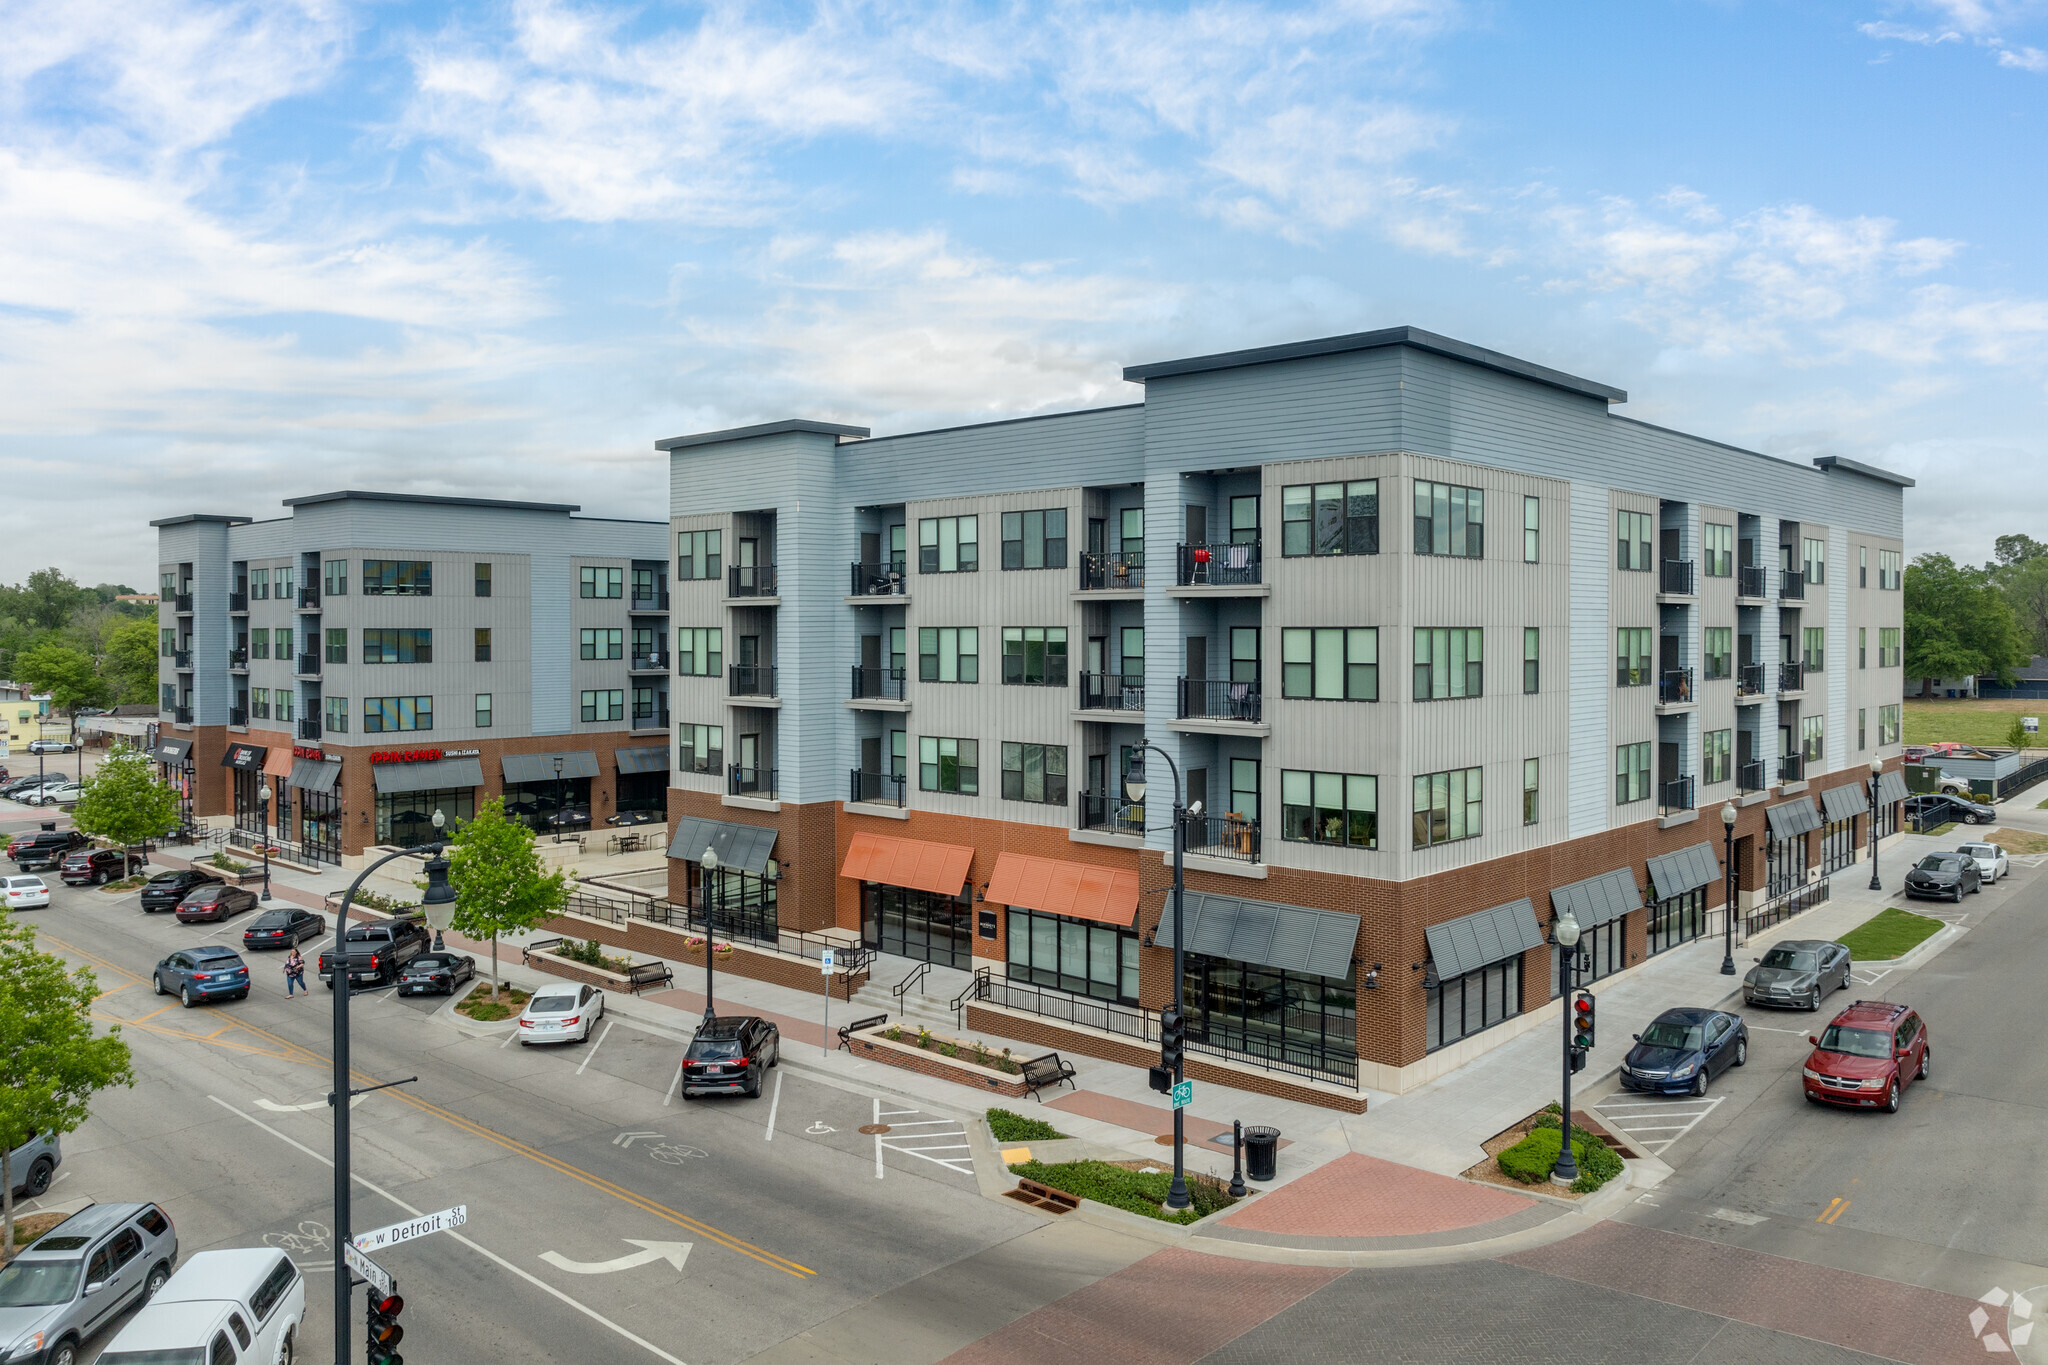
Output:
x=55 y=794
x=561 y=1014
x=1990 y=859
x=25 y=893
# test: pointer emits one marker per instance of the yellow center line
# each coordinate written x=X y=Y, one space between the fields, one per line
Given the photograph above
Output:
x=1835 y=1209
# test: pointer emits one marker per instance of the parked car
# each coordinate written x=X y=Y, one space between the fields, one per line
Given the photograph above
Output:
x=1870 y=1053
x=166 y=889
x=1798 y=971
x=211 y=971
x=72 y=1282
x=240 y=1307
x=35 y=1165
x=634 y=817
x=1950 y=875
x=1941 y=808
x=98 y=866
x=25 y=892
x=214 y=902
x=436 y=973
x=45 y=848
x=52 y=746
x=284 y=929
x=377 y=952
x=54 y=794
x=561 y=1013
x=730 y=1054
x=1990 y=859
x=1684 y=1049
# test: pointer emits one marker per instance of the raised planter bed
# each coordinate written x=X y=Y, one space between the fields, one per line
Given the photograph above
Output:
x=871 y=1045
x=570 y=970
x=672 y=945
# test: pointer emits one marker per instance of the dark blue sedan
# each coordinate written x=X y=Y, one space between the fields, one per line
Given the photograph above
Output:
x=1684 y=1049
x=211 y=971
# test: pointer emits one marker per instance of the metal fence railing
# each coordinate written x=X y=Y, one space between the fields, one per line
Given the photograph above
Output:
x=1112 y=692
x=876 y=788
x=1111 y=814
x=1676 y=577
x=880 y=684
x=1213 y=699
x=1233 y=565
x=1749 y=680
x=1110 y=572
x=879 y=580
x=1750 y=580
x=1674 y=685
x=1785 y=907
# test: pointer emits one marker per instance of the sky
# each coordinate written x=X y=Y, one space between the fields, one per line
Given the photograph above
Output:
x=264 y=248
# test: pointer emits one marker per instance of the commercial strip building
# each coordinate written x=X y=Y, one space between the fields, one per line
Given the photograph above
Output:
x=1437 y=642
x=374 y=657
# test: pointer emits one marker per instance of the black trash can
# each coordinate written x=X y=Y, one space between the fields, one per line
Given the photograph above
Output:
x=1261 y=1152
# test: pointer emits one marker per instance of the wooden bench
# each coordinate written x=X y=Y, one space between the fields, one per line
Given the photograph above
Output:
x=539 y=945
x=847 y=1031
x=645 y=974
x=1046 y=1072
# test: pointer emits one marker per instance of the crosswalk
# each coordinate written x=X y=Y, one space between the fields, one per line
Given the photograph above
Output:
x=1651 y=1125
x=943 y=1142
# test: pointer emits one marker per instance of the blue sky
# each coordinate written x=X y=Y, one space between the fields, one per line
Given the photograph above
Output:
x=250 y=250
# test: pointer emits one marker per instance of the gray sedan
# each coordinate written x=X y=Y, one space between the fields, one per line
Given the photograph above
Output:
x=1798 y=971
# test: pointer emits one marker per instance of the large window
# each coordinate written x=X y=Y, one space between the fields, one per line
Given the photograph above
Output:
x=1035 y=540
x=281 y=643
x=1888 y=724
x=1784 y=865
x=1812 y=737
x=1816 y=559
x=259 y=643
x=259 y=585
x=1448 y=662
x=483 y=578
x=1602 y=952
x=334 y=577
x=1130 y=529
x=1631 y=773
x=700 y=748
x=1447 y=806
x=407 y=818
x=697 y=554
x=481 y=644
x=1677 y=919
x=1632 y=656
x=1330 y=663
x=382 y=715
x=700 y=651
x=1720 y=651
x=918 y=924
x=604 y=705
x=284 y=703
x=1532 y=660
x=602 y=644
x=1887 y=646
x=285 y=578
x=1330 y=808
x=1304 y=1021
x=337 y=646
x=259 y=703
x=1888 y=569
x=949 y=654
x=1449 y=520
x=407 y=646
x=1632 y=549
x=1035 y=772
x=1329 y=518
x=1131 y=655
x=1035 y=655
x=1815 y=656
x=947 y=545
x=398 y=578
x=1716 y=747
x=1719 y=550
x=949 y=765
x=593 y=581
x=1532 y=525
x=1464 y=1005
x=1080 y=957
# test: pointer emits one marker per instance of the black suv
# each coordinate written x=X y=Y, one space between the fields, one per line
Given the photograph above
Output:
x=376 y=952
x=730 y=1054
x=166 y=889
x=45 y=848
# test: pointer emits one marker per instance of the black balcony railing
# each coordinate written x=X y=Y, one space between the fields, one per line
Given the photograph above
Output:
x=1749 y=680
x=183 y=601
x=238 y=715
x=238 y=601
x=1791 y=677
x=1791 y=767
x=1112 y=691
x=750 y=680
x=182 y=660
x=1100 y=572
x=238 y=658
x=744 y=781
x=650 y=718
x=750 y=580
x=1674 y=685
x=1111 y=814
x=1234 y=566
x=879 y=580
x=308 y=663
x=1674 y=795
x=1221 y=836
x=646 y=601
x=1209 y=699
x=309 y=727
x=1749 y=777
x=309 y=597
x=181 y=715
x=1792 y=584
x=881 y=684
x=1751 y=580
x=655 y=662
x=884 y=789
x=1676 y=577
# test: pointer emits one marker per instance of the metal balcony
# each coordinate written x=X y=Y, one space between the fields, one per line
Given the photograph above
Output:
x=182 y=660
x=308 y=664
x=750 y=580
x=238 y=715
x=1209 y=699
x=1675 y=685
x=309 y=728
x=878 y=684
x=1792 y=585
x=238 y=658
x=1112 y=814
x=1221 y=836
x=1751 y=580
x=656 y=662
x=643 y=602
x=1112 y=572
x=309 y=597
x=750 y=680
x=879 y=580
x=182 y=603
x=645 y=718
x=1791 y=767
x=1791 y=677
x=1676 y=577
x=1749 y=777
x=1113 y=692
x=238 y=601
x=1222 y=566
x=756 y=782
x=1749 y=680
x=1675 y=795
x=884 y=789
x=181 y=715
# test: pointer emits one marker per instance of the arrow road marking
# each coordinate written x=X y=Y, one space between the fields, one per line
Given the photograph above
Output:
x=628 y=1139
x=675 y=1253
x=305 y=1108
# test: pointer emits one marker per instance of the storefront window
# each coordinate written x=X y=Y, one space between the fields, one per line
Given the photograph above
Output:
x=1077 y=956
x=1784 y=866
x=917 y=924
x=1838 y=846
x=643 y=791
x=1305 y=1021
x=1464 y=1005
x=248 y=819
x=1677 y=919
x=1602 y=953
x=320 y=826
x=534 y=802
x=407 y=818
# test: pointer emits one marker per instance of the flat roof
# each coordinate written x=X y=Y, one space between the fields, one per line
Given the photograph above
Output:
x=1868 y=471
x=498 y=503
x=1368 y=341
x=802 y=425
x=190 y=517
x=1004 y=422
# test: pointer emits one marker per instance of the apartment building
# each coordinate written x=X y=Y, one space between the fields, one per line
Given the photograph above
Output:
x=370 y=658
x=1434 y=643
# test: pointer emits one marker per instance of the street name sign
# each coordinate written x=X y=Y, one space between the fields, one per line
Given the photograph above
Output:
x=375 y=1274
x=417 y=1227
x=1183 y=1094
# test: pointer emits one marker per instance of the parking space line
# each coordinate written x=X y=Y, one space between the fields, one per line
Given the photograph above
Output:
x=678 y=1081
x=595 y=1046
x=1635 y=1120
x=774 y=1103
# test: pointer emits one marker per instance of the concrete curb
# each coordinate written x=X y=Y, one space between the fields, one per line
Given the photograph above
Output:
x=1930 y=947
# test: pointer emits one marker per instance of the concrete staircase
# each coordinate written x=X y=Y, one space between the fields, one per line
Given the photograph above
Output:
x=928 y=1003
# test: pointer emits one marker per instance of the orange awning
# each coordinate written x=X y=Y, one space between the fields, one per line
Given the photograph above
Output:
x=914 y=863
x=278 y=762
x=1058 y=887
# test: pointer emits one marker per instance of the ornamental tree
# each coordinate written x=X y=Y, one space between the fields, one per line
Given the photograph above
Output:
x=1957 y=623
x=123 y=802
x=65 y=673
x=500 y=887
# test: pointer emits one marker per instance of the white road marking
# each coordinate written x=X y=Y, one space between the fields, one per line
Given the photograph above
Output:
x=595 y=1046
x=1766 y=1028
x=1734 y=1216
x=1635 y=1117
x=774 y=1103
x=482 y=1251
x=878 y=1136
x=675 y=1253
x=672 y=1086
x=509 y=1037
x=628 y=1139
x=355 y=1102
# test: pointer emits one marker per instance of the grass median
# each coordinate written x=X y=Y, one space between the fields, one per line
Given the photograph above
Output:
x=1889 y=934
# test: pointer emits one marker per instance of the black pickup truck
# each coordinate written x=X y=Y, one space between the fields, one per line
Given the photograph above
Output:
x=376 y=952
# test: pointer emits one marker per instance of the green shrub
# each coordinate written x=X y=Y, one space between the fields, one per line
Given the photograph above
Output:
x=227 y=864
x=1123 y=1188
x=1530 y=1160
x=1009 y=1127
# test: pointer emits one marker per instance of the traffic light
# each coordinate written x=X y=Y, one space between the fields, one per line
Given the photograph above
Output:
x=1160 y=1078
x=1578 y=1060
x=385 y=1333
x=1173 y=1032
x=1582 y=1021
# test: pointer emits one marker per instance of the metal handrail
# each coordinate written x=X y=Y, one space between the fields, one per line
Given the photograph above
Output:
x=1221 y=564
x=1675 y=685
x=914 y=978
x=876 y=682
x=1749 y=580
x=1112 y=692
x=1219 y=699
x=879 y=579
x=1749 y=680
x=1112 y=572
x=976 y=989
x=1676 y=577
x=1791 y=677
x=1792 y=584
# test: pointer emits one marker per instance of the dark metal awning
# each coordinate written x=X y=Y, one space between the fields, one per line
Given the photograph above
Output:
x=1292 y=937
x=1790 y=818
x=647 y=759
x=1483 y=938
x=1689 y=869
x=541 y=767
x=1597 y=900
x=437 y=775
x=1845 y=802
x=244 y=757
x=316 y=774
x=740 y=848
x=172 y=751
x=1891 y=786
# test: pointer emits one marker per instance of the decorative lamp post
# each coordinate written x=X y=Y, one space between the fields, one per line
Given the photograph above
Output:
x=1728 y=910
x=1564 y=932
x=263 y=805
x=1876 y=770
x=440 y=914
x=1134 y=790
x=709 y=862
x=558 y=798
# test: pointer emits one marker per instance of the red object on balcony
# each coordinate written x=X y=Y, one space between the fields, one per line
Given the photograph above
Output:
x=1202 y=555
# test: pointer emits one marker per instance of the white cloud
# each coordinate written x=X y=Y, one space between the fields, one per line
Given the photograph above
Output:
x=1986 y=24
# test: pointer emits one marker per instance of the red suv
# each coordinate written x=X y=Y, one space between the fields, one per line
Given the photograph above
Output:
x=1867 y=1056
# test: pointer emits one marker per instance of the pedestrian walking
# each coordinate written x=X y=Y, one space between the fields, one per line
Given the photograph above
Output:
x=294 y=971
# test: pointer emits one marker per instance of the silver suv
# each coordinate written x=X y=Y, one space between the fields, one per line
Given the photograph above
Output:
x=75 y=1279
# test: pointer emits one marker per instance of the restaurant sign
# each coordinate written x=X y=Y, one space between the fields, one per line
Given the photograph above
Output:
x=311 y=751
x=418 y=755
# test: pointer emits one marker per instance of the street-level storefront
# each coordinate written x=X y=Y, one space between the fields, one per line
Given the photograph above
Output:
x=1601 y=905
x=245 y=762
x=537 y=786
x=314 y=780
x=738 y=900
x=412 y=784
x=1785 y=851
x=642 y=779
x=913 y=897
x=1473 y=979
x=1071 y=926
x=174 y=761
x=1679 y=882
x=1844 y=806
x=277 y=772
x=1891 y=790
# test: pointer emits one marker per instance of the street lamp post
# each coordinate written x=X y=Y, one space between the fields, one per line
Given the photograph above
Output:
x=1564 y=932
x=440 y=914
x=558 y=798
x=1728 y=909
x=1876 y=770
x=1134 y=788
x=709 y=862
x=438 y=892
x=263 y=806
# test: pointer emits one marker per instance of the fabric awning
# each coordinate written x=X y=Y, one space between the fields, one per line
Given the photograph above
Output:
x=317 y=774
x=176 y=751
x=647 y=759
x=1674 y=874
x=914 y=863
x=1845 y=802
x=245 y=757
x=1793 y=817
x=1058 y=887
x=541 y=767
x=1293 y=937
x=436 y=775
x=740 y=848
x=279 y=762
x=1481 y=939
x=1891 y=786
x=1597 y=900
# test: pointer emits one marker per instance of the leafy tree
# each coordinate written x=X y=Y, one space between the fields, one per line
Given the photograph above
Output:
x=123 y=802
x=2015 y=549
x=2016 y=737
x=51 y=1064
x=49 y=597
x=1957 y=623
x=499 y=885
x=65 y=673
x=128 y=669
x=2024 y=581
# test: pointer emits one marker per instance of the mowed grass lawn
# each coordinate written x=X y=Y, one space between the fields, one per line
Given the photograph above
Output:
x=1888 y=934
x=1968 y=722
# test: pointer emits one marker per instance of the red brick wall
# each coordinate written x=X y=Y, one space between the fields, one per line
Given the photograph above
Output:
x=931 y=1064
x=652 y=940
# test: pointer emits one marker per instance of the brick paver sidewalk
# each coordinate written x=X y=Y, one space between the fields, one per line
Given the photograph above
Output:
x=1143 y=1118
x=1361 y=1196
